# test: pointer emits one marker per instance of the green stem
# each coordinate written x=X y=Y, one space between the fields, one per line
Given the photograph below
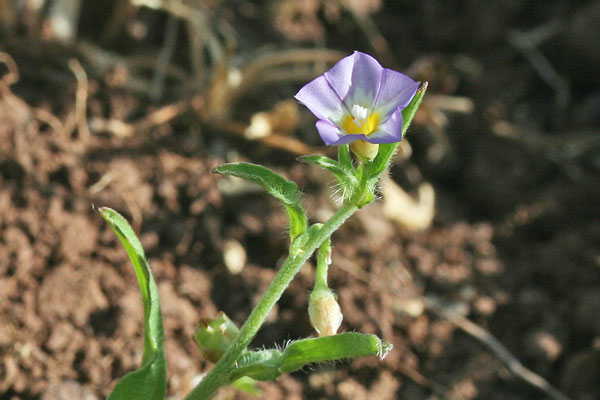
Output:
x=323 y=261
x=219 y=374
x=362 y=196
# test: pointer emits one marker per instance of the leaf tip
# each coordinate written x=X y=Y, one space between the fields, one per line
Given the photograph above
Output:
x=107 y=213
x=384 y=349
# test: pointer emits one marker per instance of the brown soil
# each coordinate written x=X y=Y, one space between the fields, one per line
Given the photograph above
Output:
x=513 y=247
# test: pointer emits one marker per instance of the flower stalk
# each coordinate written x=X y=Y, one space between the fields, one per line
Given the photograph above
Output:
x=323 y=262
x=323 y=309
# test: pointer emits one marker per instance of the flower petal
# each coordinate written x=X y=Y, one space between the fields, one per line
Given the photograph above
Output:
x=320 y=98
x=396 y=90
x=356 y=79
x=332 y=135
x=366 y=78
x=329 y=132
x=349 y=139
x=339 y=76
x=355 y=84
x=389 y=131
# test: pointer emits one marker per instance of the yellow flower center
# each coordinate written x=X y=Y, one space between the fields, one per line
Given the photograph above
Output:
x=359 y=122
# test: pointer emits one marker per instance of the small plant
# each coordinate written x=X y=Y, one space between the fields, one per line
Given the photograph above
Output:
x=365 y=110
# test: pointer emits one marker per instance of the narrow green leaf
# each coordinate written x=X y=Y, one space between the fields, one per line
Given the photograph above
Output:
x=345 y=159
x=247 y=385
x=269 y=364
x=409 y=112
x=345 y=177
x=148 y=382
x=277 y=186
x=387 y=151
x=332 y=348
x=262 y=365
x=383 y=159
x=326 y=163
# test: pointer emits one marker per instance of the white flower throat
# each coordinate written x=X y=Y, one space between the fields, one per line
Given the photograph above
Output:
x=360 y=114
x=359 y=121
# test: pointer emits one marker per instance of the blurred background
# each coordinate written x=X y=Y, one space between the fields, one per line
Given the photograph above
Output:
x=488 y=226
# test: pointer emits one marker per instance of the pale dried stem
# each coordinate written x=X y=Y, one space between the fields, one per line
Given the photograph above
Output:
x=286 y=143
x=155 y=118
x=492 y=343
x=365 y=23
x=257 y=71
x=11 y=77
x=81 y=96
x=527 y=44
x=198 y=26
x=164 y=58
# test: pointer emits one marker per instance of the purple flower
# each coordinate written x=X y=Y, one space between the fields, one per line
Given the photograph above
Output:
x=358 y=99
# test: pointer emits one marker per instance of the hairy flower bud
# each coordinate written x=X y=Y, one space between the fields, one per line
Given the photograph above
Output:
x=364 y=150
x=215 y=336
x=324 y=311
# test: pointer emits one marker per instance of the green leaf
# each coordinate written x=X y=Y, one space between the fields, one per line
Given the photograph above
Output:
x=381 y=162
x=150 y=381
x=387 y=151
x=262 y=365
x=269 y=364
x=344 y=158
x=326 y=163
x=277 y=186
x=332 y=348
x=345 y=177
x=247 y=385
x=411 y=110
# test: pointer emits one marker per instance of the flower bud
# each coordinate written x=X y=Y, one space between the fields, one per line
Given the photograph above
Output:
x=215 y=336
x=324 y=311
x=364 y=150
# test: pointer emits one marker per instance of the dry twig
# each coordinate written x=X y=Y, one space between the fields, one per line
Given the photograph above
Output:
x=286 y=143
x=164 y=58
x=492 y=343
x=11 y=77
x=526 y=43
x=80 y=98
x=365 y=23
x=276 y=66
x=155 y=118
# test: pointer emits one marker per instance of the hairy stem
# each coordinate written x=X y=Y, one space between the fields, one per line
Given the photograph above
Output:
x=323 y=261
x=219 y=374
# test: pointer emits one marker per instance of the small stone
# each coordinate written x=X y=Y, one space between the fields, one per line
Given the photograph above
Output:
x=413 y=307
x=234 y=256
x=68 y=390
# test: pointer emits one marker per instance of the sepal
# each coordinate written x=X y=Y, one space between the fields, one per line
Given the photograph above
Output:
x=215 y=336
